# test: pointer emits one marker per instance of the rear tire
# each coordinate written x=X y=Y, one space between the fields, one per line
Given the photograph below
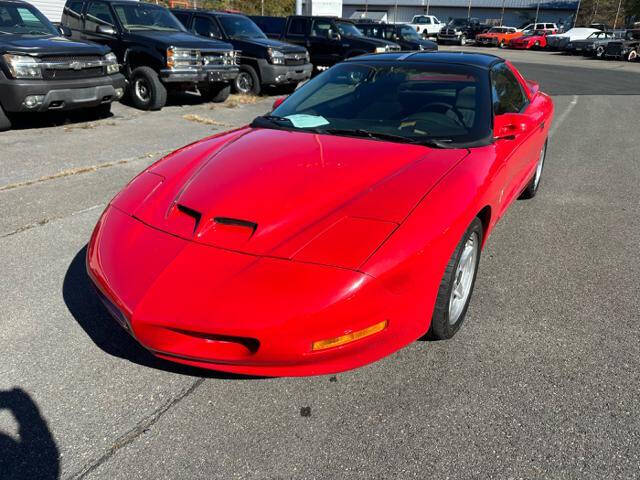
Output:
x=599 y=51
x=247 y=81
x=632 y=56
x=457 y=284
x=5 y=122
x=533 y=185
x=146 y=89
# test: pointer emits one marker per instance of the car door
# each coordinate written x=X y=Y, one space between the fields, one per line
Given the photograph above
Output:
x=99 y=18
x=324 y=39
x=518 y=152
x=206 y=27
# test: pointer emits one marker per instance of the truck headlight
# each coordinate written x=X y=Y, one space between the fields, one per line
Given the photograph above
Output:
x=181 y=57
x=276 y=56
x=22 y=66
x=307 y=57
x=382 y=49
x=112 y=63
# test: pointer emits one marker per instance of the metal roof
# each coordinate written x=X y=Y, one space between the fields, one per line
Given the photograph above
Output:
x=516 y=4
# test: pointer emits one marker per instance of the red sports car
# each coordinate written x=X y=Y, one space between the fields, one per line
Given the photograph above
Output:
x=535 y=39
x=333 y=231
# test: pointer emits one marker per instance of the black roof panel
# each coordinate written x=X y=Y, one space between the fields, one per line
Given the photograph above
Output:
x=481 y=60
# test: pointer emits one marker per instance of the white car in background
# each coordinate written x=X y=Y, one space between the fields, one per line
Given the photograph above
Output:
x=426 y=25
x=547 y=27
x=560 y=40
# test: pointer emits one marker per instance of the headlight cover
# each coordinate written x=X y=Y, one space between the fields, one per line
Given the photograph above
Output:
x=112 y=63
x=182 y=57
x=382 y=49
x=22 y=66
x=276 y=56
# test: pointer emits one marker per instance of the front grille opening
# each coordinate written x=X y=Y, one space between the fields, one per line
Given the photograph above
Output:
x=251 y=344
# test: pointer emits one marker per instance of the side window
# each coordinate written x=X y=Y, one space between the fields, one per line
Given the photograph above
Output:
x=73 y=12
x=388 y=33
x=5 y=17
x=506 y=92
x=427 y=21
x=206 y=27
x=183 y=17
x=321 y=28
x=98 y=13
x=549 y=25
x=298 y=26
x=27 y=18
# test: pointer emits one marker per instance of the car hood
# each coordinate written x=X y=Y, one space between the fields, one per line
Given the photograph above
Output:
x=163 y=40
x=268 y=43
x=271 y=192
x=48 y=45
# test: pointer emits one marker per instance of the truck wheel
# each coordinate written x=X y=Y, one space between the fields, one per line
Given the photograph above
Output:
x=632 y=56
x=247 y=81
x=147 y=91
x=5 y=123
x=215 y=92
x=463 y=40
x=600 y=51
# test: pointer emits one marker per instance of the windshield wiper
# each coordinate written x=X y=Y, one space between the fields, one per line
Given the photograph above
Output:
x=271 y=121
x=359 y=132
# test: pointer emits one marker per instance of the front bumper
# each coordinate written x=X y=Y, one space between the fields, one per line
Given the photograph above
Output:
x=282 y=74
x=490 y=42
x=205 y=74
x=60 y=95
x=449 y=38
x=227 y=311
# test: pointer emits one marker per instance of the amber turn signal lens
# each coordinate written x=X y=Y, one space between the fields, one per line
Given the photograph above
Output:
x=349 y=337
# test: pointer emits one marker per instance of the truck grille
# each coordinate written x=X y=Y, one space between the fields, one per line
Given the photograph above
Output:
x=295 y=59
x=70 y=67
x=614 y=49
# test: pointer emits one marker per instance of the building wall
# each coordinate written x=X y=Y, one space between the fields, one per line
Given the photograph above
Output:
x=52 y=9
x=512 y=17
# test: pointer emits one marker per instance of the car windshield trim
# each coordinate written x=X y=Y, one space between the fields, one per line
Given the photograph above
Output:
x=27 y=20
x=171 y=24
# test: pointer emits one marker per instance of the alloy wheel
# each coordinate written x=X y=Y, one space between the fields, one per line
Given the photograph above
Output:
x=244 y=82
x=539 y=166
x=142 y=90
x=463 y=279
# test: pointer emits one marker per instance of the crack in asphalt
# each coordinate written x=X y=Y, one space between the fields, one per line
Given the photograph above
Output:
x=80 y=170
x=131 y=435
x=45 y=221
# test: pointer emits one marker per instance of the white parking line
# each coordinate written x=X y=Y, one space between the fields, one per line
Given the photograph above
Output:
x=563 y=115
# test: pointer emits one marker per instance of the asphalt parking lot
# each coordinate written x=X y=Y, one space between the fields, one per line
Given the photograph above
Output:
x=541 y=382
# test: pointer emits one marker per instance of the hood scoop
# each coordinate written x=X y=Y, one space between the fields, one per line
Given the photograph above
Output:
x=188 y=223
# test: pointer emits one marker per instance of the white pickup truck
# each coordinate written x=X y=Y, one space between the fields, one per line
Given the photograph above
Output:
x=426 y=25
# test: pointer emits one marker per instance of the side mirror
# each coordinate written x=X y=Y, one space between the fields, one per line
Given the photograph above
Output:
x=509 y=125
x=105 y=30
x=334 y=35
x=278 y=102
x=64 y=30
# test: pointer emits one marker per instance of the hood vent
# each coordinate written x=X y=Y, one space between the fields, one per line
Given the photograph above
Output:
x=237 y=223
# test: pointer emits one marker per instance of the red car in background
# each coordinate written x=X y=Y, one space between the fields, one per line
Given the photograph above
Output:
x=532 y=40
x=333 y=231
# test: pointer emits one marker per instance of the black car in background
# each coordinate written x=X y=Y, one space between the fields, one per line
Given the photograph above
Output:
x=627 y=48
x=156 y=51
x=41 y=70
x=459 y=30
x=595 y=44
x=329 y=39
x=262 y=61
x=403 y=35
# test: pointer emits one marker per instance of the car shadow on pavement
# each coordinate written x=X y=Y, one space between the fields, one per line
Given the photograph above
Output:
x=71 y=118
x=108 y=335
x=34 y=454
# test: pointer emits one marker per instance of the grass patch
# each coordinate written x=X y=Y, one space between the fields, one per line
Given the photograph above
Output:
x=236 y=100
x=204 y=120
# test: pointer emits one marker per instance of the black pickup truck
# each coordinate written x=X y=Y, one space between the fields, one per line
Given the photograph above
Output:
x=156 y=51
x=402 y=34
x=41 y=70
x=263 y=61
x=459 y=30
x=328 y=39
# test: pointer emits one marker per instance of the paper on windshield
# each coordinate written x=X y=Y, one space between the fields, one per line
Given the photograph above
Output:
x=307 y=121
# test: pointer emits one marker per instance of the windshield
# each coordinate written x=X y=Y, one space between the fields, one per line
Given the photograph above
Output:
x=409 y=33
x=458 y=22
x=140 y=16
x=23 y=19
x=412 y=102
x=236 y=27
x=348 y=29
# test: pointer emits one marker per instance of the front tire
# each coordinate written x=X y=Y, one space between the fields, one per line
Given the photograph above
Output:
x=216 y=92
x=5 y=122
x=247 y=81
x=632 y=56
x=457 y=284
x=147 y=91
x=533 y=185
x=463 y=40
x=599 y=51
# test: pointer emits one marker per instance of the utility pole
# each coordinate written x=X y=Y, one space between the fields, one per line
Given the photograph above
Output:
x=262 y=7
x=595 y=11
x=469 y=11
x=395 y=13
x=575 y=20
x=615 y=22
x=298 y=7
x=502 y=15
x=537 y=12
